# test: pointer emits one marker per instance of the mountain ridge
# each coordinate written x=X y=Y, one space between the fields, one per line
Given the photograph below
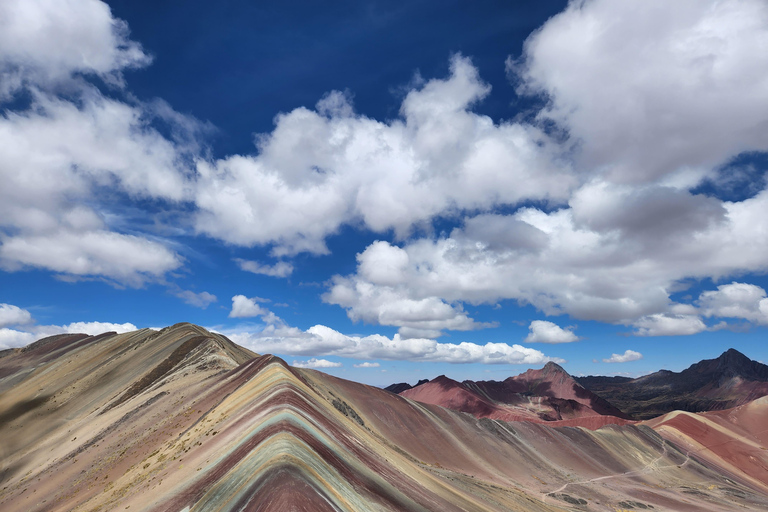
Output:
x=547 y=394
x=727 y=381
x=724 y=382
x=211 y=425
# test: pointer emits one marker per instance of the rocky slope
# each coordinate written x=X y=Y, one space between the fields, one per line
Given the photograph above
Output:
x=183 y=420
x=713 y=384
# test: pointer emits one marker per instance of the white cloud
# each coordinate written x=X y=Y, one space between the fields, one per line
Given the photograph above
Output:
x=92 y=328
x=11 y=338
x=366 y=365
x=73 y=146
x=378 y=294
x=11 y=315
x=279 y=269
x=627 y=356
x=127 y=259
x=542 y=331
x=243 y=307
x=654 y=99
x=199 y=300
x=322 y=340
x=649 y=89
x=567 y=261
x=27 y=331
x=391 y=306
x=628 y=229
x=316 y=363
x=47 y=41
x=736 y=300
x=669 y=325
x=318 y=170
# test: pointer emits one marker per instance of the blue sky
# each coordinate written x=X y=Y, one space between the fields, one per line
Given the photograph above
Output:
x=391 y=190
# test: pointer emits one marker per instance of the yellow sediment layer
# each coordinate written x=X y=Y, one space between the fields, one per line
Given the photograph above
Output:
x=194 y=435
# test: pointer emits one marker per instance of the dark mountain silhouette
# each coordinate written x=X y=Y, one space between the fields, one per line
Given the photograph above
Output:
x=713 y=384
x=402 y=386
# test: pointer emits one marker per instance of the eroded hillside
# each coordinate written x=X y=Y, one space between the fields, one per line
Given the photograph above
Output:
x=183 y=419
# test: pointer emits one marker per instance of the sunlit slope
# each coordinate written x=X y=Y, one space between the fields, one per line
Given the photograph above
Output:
x=616 y=467
x=735 y=439
x=182 y=419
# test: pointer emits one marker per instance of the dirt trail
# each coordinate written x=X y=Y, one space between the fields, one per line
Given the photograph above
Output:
x=651 y=466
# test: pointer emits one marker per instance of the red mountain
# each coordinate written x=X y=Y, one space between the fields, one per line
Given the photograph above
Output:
x=182 y=419
x=549 y=394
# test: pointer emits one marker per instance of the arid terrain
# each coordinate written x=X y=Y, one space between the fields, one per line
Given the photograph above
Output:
x=713 y=384
x=545 y=395
x=184 y=420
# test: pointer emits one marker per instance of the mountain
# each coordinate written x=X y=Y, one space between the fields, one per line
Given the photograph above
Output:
x=727 y=438
x=548 y=394
x=713 y=384
x=182 y=419
x=402 y=386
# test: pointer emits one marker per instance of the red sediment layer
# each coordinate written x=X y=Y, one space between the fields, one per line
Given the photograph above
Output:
x=738 y=437
x=290 y=397
x=192 y=432
x=284 y=489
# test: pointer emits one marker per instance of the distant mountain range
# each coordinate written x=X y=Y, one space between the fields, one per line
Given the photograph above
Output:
x=182 y=419
x=402 y=386
x=551 y=394
x=713 y=384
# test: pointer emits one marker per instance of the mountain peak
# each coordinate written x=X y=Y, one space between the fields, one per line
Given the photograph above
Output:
x=444 y=380
x=730 y=363
x=734 y=357
x=553 y=367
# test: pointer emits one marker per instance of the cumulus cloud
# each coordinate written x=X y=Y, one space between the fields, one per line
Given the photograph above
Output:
x=669 y=325
x=319 y=169
x=27 y=330
x=244 y=307
x=68 y=151
x=648 y=90
x=736 y=300
x=11 y=338
x=317 y=363
x=72 y=145
x=279 y=269
x=618 y=230
x=379 y=293
x=322 y=340
x=366 y=365
x=627 y=356
x=566 y=261
x=622 y=227
x=11 y=315
x=542 y=331
x=47 y=41
x=92 y=328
